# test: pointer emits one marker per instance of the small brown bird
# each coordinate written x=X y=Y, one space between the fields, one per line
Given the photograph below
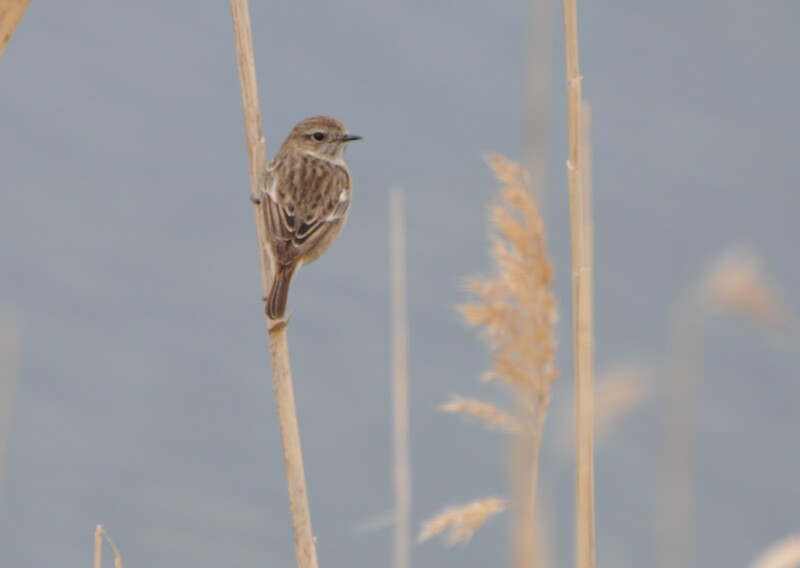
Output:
x=304 y=196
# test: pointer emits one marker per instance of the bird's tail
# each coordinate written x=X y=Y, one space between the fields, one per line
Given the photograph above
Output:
x=278 y=295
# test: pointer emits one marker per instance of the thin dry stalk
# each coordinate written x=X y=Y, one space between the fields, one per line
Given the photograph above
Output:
x=785 y=554
x=98 y=547
x=463 y=521
x=11 y=336
x=582 y=301
x=487 y=414
x=11 y=12
x=99 y=534
x=305 y=547
x=536 y=109
x=402 y=454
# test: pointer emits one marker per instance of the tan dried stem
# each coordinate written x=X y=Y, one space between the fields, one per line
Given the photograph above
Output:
x=305 y=547
x=582 y=302
x=99 y=535
x=11 y=339
x=402 y=453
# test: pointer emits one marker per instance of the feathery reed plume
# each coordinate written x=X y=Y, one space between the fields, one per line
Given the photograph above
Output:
x=582 y=301
x=463 y=521
x=402 y=454
x=11 y=336
x=305 y=548
x=487 y=414
x=734 y=283
x=785 y=554
x=99 y=535
x=516 y=311
x=11 y=12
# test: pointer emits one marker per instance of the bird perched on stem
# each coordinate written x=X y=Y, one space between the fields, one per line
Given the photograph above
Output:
x=304 y=197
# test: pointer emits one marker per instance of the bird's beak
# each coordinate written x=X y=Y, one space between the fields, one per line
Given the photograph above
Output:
x=350 y=137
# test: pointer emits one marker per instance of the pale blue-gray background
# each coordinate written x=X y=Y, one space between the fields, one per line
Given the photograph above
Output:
x=126 y=239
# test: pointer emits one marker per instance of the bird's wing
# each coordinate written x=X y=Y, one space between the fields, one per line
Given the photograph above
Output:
x=295 y=236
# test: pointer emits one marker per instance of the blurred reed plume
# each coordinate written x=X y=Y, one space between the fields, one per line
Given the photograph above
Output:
x=487 y=414
x=735 y=283
x=515 y=308
x=463 y=521
x=785 y=554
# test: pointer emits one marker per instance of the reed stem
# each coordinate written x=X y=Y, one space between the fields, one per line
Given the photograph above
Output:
x=305 y=548
x=402 y=454
x=582 y=301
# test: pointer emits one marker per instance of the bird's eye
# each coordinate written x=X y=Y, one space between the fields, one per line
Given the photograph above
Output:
x=319 y=136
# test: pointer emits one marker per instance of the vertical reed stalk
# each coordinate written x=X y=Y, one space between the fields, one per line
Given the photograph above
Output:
x=402 y=457
x=581 y=301
x=98 y=547
x=305 y=548
x=99 y=535
x=675 y=495
x=11 y=338
x=538 y=76
x=525 y=461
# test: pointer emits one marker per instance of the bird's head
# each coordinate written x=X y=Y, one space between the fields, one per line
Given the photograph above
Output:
x=323 y=136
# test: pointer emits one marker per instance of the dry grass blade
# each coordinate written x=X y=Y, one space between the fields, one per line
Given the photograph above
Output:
x=487 y=414
x=11 y=12
x=785 y=554
x=461 y=522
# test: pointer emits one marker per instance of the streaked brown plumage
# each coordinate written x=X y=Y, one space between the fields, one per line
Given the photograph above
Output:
x=305 y=195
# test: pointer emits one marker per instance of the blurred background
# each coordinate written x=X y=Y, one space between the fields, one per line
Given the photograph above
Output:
x=128 y=256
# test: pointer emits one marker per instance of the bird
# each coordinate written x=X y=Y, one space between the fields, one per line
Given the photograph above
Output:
x=304 y=195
